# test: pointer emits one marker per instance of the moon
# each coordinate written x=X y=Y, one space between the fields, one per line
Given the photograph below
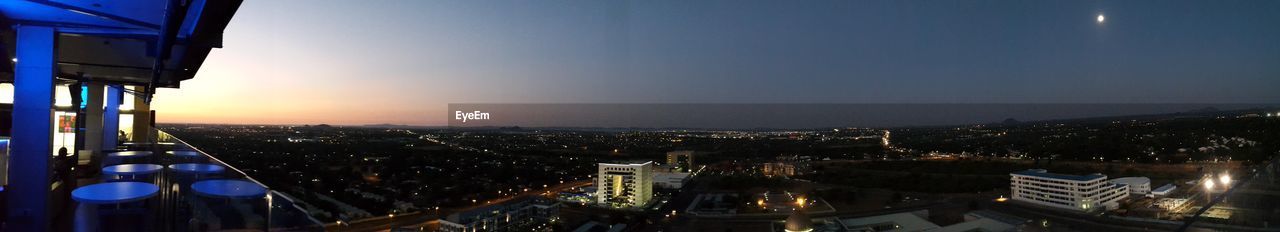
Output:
x=1101 y=18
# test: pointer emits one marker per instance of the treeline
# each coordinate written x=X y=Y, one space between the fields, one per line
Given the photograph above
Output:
x=1162 y=141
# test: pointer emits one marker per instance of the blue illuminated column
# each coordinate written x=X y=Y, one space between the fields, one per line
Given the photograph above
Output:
x=111 y=118
x=32 y=142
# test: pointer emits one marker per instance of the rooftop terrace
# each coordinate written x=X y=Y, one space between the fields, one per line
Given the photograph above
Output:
x=1045 y=174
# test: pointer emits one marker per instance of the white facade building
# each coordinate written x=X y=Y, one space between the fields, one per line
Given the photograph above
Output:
x=1138 y=186
x=1081 y=193
x=624 y=185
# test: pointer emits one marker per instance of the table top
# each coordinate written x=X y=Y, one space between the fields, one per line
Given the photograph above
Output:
x=184 y=153
x=114 y=192
x=130 y=153
x=235 y=189
x=132 y=169
x=197 y=168
x=147 y=143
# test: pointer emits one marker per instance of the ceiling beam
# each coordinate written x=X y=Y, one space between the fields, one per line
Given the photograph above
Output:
x=95 y=13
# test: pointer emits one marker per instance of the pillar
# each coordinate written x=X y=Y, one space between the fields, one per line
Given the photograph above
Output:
x=111 y=117
x=93 y=123
x=32 y=143
x=141 y=117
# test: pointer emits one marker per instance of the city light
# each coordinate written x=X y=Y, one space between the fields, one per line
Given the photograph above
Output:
x=1225 y=179
x=800 y=201
x=1208 y=184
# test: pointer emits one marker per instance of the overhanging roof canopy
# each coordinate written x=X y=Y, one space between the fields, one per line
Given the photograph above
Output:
x=117 y=41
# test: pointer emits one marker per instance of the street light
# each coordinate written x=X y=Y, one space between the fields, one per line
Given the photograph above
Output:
x=1226 y=179
x=1208 y=189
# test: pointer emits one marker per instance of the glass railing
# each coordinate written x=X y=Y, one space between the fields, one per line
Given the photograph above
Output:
x=199 y=192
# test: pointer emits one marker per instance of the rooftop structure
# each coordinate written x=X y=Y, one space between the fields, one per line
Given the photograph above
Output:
x=521 y=214
x=670 y=180
x=1046 y=174
x=1164 y=190
x=593 y=226
x=911 y=221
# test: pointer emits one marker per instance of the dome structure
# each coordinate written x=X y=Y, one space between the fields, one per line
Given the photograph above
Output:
x=799 y=222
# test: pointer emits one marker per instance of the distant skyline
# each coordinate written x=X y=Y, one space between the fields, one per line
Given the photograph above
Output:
x=402 y=62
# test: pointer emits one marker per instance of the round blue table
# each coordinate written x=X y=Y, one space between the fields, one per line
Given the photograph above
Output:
x=125 y=157
x=230 y=189
x=147 y=144
x=187 y=156
x=130 y=154
x=131 y=169
x=117 y=193
x=185 y=153
x=114 y=192
x=197 y=168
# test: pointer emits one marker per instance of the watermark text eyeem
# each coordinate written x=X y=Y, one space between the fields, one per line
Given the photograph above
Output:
x=464 y=116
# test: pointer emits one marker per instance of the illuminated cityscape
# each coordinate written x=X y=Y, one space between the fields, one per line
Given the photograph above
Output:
x=639 y=116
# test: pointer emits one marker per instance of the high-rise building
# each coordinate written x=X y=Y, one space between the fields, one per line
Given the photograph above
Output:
x=680 y=161
x=1081 y=193
x=624 y=185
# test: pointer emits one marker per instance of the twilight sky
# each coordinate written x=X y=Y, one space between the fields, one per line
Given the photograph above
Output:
x=403 y=61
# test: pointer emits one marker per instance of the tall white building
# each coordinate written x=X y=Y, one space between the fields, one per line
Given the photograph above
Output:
x=624 y=185
x=1081 y=193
